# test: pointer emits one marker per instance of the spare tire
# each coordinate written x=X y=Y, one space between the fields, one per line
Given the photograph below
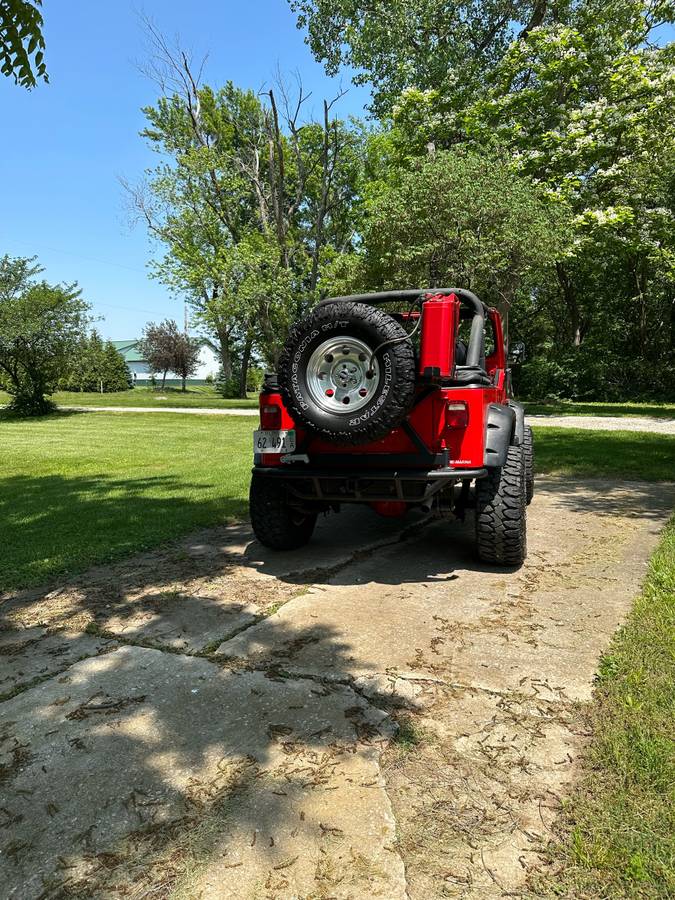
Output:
x=332 y=383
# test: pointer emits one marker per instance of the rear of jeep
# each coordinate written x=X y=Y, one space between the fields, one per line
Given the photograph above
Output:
x=396 y=400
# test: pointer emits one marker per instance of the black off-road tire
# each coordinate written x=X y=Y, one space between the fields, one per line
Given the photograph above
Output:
x=275 y=523
x=501 y=532
x=528 y=460
x=393 y=396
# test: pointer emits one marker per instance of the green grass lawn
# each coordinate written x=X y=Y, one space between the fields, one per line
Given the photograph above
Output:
x=636 y=455
x=82 y=488
x=196 y=396
x=618 y=834
x=569 y=408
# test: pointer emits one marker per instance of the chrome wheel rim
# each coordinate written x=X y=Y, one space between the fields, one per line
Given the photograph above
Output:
x=339 y=375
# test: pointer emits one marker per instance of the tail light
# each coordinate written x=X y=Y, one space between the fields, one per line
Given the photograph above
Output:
x=270 y=417
x=456 y=415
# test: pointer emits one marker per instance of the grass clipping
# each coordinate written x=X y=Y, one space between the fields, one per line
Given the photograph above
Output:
x=619 y=828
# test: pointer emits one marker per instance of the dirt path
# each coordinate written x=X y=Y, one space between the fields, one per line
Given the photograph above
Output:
x=375 y=716
x=606 y=423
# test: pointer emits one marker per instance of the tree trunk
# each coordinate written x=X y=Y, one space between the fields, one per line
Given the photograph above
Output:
x=183 y=389
x=225 y=355
x=245 y=359
x=323 y=203
x=164 y=378
x=569 y=296
x=641 y=285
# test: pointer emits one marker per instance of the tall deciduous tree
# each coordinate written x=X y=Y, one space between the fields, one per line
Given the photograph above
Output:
x=253 y=200
x=40 y=327
x=582 y=96
x=450 y=46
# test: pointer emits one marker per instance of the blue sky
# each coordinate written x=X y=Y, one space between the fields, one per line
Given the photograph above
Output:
x=65 y=144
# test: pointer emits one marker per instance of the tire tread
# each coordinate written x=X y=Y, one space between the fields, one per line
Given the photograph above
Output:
x=274 y=524
x=501 y=534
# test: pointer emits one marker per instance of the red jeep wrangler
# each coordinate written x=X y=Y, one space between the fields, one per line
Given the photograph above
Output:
x=395 y=410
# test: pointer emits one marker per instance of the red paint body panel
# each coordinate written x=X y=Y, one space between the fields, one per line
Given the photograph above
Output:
x=497 y=359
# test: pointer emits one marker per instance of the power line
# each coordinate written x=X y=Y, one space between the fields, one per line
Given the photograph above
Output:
x=103 y=262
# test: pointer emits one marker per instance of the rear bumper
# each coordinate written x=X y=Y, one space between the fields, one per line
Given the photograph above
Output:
x=365 y=486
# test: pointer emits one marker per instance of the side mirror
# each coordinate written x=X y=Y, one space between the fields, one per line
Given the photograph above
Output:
x=517 y=353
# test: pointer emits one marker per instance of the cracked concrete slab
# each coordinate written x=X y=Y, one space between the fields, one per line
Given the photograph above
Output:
x=127 y=744
x=198 y=591
x=28 y=655
x=426 y=610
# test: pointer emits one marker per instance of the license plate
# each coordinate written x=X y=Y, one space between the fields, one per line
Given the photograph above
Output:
x=273 y=441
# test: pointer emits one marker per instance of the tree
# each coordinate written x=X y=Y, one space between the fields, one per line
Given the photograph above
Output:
x=115 y=374
x=581 y=96
x=40 y=326
x=458 y=218
x=186 y=357
x=166 y=349
x=21 y=42
x=448 y=47
x=252 y=202
x=158 y=346
x=96 y=365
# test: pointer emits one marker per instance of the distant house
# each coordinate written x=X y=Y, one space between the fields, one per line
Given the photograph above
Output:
x=140 y=371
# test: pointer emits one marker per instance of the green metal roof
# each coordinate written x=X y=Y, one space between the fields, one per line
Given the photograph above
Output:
x=129 y=350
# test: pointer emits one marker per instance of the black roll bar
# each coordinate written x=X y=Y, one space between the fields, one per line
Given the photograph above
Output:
x=474 y=351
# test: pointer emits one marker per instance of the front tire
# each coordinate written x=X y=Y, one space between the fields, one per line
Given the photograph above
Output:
x=501 y=518
x=276 y=524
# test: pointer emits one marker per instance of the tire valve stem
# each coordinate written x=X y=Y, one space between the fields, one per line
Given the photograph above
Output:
x=329 y=392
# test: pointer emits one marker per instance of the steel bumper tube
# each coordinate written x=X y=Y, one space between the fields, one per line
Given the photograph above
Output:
x=412 y=486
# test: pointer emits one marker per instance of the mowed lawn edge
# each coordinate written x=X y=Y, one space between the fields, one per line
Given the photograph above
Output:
x=652 y=409
x=79 y=489
x=199 y=396
x=616 y=837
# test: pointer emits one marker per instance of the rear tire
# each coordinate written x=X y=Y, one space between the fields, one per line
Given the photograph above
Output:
x=528 y=454
x=501 y=533
x=276 y=524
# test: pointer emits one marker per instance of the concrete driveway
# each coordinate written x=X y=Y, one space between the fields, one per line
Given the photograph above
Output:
x=377 y=715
